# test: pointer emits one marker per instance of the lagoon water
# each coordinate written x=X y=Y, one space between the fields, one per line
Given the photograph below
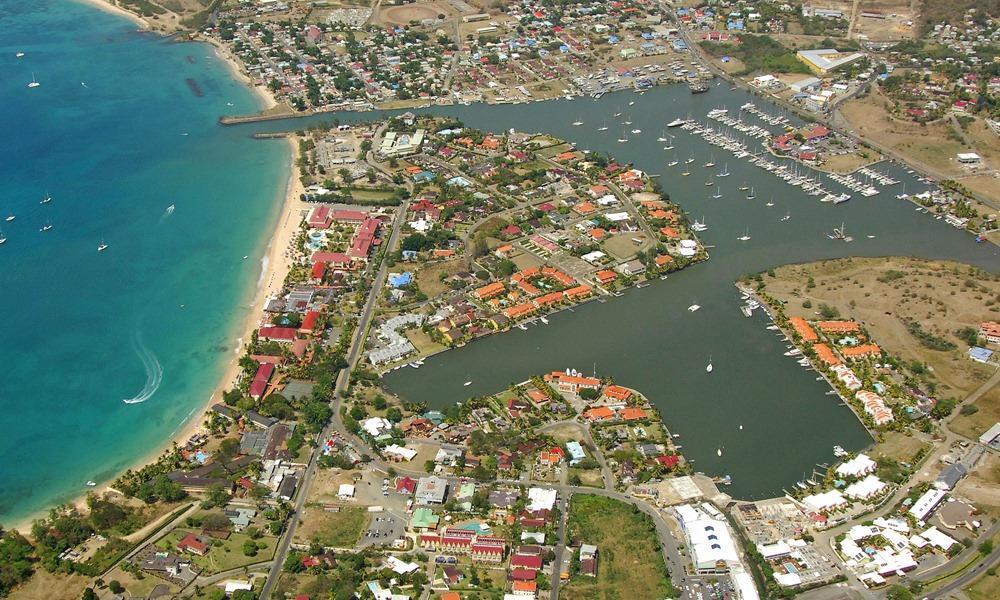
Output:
x=116 y=135
x=648 y=340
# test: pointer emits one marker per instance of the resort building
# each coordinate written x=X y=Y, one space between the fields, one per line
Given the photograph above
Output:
x=401 y=144
x=858 y=466
x=990 y=331
x=708 y=538
x=568 y=382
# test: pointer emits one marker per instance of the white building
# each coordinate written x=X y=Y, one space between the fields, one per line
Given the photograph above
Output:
x=857 y=466
x=869 y=487
x=708 y=538
x=541 y=499
x=925 y=505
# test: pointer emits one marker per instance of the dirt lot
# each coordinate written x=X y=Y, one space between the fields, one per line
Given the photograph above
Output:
x=898 y=446
x=49 y=586
x=987 y=413
x=847 y=163
x=932 y=146
x=338 y=529
x=942 y=296
x=429 y=276
x=402 y=15
x=982 y=486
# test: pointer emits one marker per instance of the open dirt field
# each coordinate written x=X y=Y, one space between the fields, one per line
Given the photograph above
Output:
x=898 y=446
x=987 y=413
x=402 y=15
x=982 y=487
x=338 y=529
x=51 y=586
x=429 y=276
x=942 y=296
x=931 y=147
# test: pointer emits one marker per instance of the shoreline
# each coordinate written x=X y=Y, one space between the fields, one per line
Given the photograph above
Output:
x=277 y=263
x=110 y=7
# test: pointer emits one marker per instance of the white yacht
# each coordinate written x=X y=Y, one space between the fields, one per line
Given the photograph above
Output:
x=46 y=199
x=718 y=193
x=709 y=368
x=34 y=83
x=102 y=247
x=745 y=237
x=751 y=195
x=676 y=123
x=725 y=171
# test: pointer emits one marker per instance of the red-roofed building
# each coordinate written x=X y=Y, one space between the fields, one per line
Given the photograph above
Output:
x=191 y=543
x=350 y=217
x=523 y=575
x=260 y=380
x=406 y=485
x=309 y=322
x=337 y=260
x=668 y=460
x=318 y=271
x=277 y=334
x=321 y=217
x=526 y=561
x=618 y=392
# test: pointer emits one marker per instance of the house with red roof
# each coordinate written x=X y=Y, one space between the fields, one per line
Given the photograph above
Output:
x=260 y=380
x=309 y=322
x=192 y=544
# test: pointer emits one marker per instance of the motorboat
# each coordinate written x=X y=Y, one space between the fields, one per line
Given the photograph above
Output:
x=693 y=308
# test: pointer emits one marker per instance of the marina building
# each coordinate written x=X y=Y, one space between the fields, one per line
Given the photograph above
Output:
x=708 y=538
x=401 y=144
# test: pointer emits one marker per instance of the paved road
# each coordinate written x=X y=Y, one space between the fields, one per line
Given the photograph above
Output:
x=336 y=424
x=971 y=575
x=554 y=579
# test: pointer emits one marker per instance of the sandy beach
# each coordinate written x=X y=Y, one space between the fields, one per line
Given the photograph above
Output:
x=277 y=261
x=109 y=6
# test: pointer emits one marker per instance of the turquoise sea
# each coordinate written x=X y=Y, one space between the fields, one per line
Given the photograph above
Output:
x=116 y=135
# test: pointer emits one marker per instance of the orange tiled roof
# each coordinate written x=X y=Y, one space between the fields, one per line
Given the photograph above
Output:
x=491 y=290
x=862 y=350
x=633 y=414
x=617 y=392
x=600 y=413
x=584 y=208
x=826 y=355
x=804 y=329
x=839 y=326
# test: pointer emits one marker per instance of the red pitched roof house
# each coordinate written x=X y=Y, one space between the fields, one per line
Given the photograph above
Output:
x=191 y=543
x=260 y=380
x=276 y=334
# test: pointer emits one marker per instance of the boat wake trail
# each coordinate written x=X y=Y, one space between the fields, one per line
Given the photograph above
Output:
x=154 y=372
x=166 y=214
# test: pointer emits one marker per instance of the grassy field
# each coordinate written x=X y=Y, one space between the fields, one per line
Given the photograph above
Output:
x=589 y=477
x=942 y=296
x=337 y=529
x=986 y=587
x=630 y=564
x=899 y=447
x=982 y=486
x=225 y=556
x=51 y=586
x=428 y=277
x=987 y=413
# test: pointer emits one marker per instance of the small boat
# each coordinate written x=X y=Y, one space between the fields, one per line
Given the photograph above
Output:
x=693 y=307
x=10 y=218
x=725 y=171
x=636 y=131
x=709 y=183
x=745 y=237
x=718 y=193
x=91 y=484
x=603 y=127
x=672 y=163
x=719 y=452
x=522 y=327
x=676 y=123
x=751 y=195
x=46 y=199
x=631 y=103
x=741 y=428
x=710 y=163
x=544 y=320
x=33 y=83
x=787 y=216
x=577 y=123
x=709 y=368
x=245 y=256
x=689 y=161
x=19 y=55
x=467 y=384
x=685 y=173
x=102 y=247
x=46 y=227
x=3 y=238
x=744 y=187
